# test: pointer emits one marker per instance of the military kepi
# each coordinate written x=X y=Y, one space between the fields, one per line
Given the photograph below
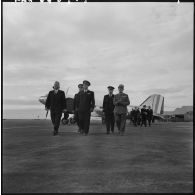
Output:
x=80 y=85
x=121 y=86
x=110 y=87
x=86 y=82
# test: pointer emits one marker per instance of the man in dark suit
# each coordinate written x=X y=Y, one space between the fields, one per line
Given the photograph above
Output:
x=85 y=104
x=144 y=114
x=56 y=103
x=150 y=115
x=108 y=110
x=76 y=114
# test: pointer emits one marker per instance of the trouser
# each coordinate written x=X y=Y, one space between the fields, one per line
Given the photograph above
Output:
x=120 y=121
x=143 y=121
x=135 y=121
x=76 y=116
x=138 y=120
x=84 y=121
x=55 y=118
x=149 y=121
x=109 y=117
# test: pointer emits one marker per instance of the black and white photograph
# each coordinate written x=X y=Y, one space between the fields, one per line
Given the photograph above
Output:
x=97 y=97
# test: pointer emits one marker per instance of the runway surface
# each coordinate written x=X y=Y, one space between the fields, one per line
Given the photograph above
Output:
x=145 y=160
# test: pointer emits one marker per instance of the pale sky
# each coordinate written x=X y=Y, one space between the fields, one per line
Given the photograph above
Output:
x=148 y=47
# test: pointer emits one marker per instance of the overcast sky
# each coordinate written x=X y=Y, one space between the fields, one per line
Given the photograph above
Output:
x=148 y=47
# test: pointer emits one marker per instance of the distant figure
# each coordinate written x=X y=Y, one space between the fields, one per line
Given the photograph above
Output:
x=85 y=104
x=108 y=109
x=136 y=116
x=121 y=100
x=56 y=103
x=76 y=114
x=150 y=115
x=132 y=115
x=144 y=116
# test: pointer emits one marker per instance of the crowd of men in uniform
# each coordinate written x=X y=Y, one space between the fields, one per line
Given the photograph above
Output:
x=114 y=108
x=143 y=117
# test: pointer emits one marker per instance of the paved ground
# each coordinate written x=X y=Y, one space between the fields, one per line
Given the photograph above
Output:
x=156 y=159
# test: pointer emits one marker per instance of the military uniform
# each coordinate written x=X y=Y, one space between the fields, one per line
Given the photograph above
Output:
x=149 y=116
x=86 y=103
x=56 y=102
x=144 y=116
x=121 y=100
x=108 y=109
x=136 y=117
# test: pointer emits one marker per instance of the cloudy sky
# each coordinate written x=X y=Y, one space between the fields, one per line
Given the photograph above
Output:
x=148 y=47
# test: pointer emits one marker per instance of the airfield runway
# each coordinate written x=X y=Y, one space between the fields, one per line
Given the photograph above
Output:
x=144 y=160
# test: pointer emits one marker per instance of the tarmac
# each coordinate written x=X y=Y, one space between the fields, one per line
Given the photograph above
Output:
x=156 y=159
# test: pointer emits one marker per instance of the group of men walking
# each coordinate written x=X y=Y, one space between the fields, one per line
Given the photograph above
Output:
x=141 y=118
x=84 y=104
x=114 y=108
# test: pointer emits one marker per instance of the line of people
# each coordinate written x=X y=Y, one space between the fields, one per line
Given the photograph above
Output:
x=143 y=117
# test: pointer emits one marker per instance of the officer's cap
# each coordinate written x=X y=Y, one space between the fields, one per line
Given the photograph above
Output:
x=110 y=87
x=121 y=86
x=86 y=82
x=80 y=85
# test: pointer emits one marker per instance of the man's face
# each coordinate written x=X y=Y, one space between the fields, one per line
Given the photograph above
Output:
x=149 y=107
x=120 y=89
x=85 y=86
x=56 y=85
x=110 y=91
x=80 y=88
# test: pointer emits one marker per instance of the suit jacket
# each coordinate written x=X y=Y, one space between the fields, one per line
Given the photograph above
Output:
x=144 y=112
x=56 y=102
x=86 y=101
x=121 y=101
x=150 y=113
x=76 y=97
x=108 y=105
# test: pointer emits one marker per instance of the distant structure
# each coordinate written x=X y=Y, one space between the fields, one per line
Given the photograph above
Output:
x=185 y=113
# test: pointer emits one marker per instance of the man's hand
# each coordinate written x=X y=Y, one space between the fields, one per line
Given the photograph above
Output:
x=118 y=103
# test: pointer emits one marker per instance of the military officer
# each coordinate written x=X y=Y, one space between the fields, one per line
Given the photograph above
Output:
x=150 y=115
x=56 y=103
x=86 y=104
x=121 y=100
x=76 y=115
x=108 y=110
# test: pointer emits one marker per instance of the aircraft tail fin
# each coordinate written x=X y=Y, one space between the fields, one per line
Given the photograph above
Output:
x=156 y=102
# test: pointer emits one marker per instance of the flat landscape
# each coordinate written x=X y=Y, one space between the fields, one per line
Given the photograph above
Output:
x=145 y=160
